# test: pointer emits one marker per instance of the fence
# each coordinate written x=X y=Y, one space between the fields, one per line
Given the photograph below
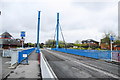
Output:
x=6 y=53
x=97 y=54
x=14 y=57
x=116 y=56
x=21 y=54
x=1 y=52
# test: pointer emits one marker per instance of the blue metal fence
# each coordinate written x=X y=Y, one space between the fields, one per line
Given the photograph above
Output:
x=97 y=54
x=27 y=52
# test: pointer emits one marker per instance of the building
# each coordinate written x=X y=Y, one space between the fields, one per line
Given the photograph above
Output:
x=116 y=47
x=91 y=43
x=7 y=41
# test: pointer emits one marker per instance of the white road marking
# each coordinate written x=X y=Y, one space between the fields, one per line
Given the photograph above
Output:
x=106 y=73
x=75 y=68
x=47 y=71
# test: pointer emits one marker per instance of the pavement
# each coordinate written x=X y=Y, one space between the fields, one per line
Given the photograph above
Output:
x=5 y=65
x=27 y=71
x=0 y=67
x=67 y=66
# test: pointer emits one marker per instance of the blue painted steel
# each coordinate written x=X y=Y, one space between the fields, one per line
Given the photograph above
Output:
x=38 y=30
x=22 y=34
x=20 y=54
x=97 y=54
x=57 y=37
x=111 y=38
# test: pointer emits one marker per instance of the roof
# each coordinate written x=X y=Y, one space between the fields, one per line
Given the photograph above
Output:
x=5 y=35
x=118 y=46
x=90 y=40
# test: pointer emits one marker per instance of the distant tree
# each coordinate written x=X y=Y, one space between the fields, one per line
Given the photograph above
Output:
x=77 y=45
x=52 y=44
x=117 y=42
x=105 y=41
x=106 y=37
x=77 y=42
x=81 y=45
x=61 y=44
x=69 y=45
x=30 y=45
x=41 y=45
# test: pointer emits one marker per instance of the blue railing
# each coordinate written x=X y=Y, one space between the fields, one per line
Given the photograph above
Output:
x=97 y=54
x=27 y=52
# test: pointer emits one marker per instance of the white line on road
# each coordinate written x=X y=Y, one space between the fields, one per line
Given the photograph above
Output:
x=106 y=73
x=47 y=71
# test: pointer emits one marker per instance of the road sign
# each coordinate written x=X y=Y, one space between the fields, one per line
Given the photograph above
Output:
x=111 y=38
x=22 y=34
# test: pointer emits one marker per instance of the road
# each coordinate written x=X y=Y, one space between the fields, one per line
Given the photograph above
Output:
x=72 y=66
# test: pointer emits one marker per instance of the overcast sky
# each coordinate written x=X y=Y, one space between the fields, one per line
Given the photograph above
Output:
x=79 y=19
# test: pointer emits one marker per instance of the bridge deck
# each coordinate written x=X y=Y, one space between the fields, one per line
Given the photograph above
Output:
x=72 y=66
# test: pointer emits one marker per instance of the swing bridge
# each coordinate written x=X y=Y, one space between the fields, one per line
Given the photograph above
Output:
x=62 y=63
x=71 y=63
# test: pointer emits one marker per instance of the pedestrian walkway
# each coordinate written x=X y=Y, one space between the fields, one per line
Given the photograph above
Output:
x=0 y=67
x=32 y=70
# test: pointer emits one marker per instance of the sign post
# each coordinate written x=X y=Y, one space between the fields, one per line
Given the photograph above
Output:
x=22 y=38
x=111 y=41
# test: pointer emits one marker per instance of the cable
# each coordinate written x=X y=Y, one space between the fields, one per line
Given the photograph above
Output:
x=62 y=35
x=54 y=38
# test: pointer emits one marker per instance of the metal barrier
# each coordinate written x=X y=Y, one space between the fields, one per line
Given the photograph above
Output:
x=23 y=53
x=14 y=57
x=116 y=56
x=1 y=52
x=97 y=54
x=6 y=53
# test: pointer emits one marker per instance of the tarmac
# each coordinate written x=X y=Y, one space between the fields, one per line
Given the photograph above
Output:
x=27 y=71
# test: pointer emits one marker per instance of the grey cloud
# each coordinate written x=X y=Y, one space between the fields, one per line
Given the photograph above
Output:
x=94 y=6
x=23 y=16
